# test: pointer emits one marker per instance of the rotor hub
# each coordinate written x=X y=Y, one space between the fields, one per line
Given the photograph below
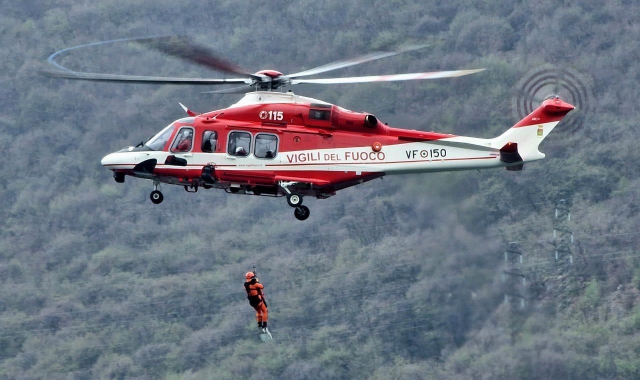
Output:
x=272 y=79
x=270 y=73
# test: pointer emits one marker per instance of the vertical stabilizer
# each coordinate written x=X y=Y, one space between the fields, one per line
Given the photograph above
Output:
x=529 y=132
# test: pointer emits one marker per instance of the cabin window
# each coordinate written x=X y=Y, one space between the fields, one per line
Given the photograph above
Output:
x=239 y=144
x=320 y=114
x=210 y=141
x=183 y=140
x=266 y=146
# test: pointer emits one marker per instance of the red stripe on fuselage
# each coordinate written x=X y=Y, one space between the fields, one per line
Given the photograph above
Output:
x=316 y=164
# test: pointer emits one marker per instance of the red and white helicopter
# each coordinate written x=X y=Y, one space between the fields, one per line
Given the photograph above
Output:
x=282 y=144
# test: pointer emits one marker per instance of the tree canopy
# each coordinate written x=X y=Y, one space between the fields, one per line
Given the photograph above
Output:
x=402 y=278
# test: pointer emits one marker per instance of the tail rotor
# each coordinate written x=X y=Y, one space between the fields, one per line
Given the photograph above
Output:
x=549 y=81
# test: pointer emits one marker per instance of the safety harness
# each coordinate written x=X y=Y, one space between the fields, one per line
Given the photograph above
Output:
x=255 y=300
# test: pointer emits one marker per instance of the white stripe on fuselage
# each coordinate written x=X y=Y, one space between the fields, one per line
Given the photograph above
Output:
x=455 y=153
x=410 y=157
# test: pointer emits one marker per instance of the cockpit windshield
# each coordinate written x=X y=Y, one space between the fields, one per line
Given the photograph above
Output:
x=158 y=141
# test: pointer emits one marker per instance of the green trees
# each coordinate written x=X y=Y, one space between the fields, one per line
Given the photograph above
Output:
x=398 y=278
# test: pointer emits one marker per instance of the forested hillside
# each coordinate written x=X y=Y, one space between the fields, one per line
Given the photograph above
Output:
x=400 y=278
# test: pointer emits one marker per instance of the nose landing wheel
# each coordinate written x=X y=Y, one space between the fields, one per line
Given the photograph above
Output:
x=156 y=196
x=302 y=212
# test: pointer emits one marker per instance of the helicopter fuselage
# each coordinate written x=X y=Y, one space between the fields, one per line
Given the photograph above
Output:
x=281 y=143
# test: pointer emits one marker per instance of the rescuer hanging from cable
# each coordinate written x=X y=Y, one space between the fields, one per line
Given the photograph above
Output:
x=256 y=300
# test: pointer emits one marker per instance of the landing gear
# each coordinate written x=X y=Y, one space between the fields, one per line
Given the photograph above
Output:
x=294 y=200
x=302 y=212
x=156 y=196
x=119 y=177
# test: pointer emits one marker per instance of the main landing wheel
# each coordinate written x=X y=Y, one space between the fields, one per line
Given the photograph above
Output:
x=302 y=212
x=294 y=200
x=156 y=197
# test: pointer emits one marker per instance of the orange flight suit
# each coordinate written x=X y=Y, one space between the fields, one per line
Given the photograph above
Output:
x=184 y=145
x=256 y=300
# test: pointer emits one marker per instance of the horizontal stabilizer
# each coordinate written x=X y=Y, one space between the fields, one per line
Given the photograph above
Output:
x=509 y=155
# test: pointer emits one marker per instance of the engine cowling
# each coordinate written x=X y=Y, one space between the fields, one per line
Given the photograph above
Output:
x=355 y=121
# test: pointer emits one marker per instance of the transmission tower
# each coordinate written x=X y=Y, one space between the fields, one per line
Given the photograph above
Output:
x=513 y=276
x=562 y=234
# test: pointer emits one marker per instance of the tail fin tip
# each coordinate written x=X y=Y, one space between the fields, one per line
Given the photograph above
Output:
x=552 y=109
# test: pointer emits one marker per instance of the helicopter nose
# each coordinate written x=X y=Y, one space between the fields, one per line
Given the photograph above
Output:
x=109 y=159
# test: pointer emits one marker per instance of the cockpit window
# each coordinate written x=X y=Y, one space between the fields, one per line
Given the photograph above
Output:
x=239 y=144
x=158 y=141
x=266 y=145
x=209 y=141
x=183 y=140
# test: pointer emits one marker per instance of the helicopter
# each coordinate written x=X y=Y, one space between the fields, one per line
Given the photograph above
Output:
x=280 y=144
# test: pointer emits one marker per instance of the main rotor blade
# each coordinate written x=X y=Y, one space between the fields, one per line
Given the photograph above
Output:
x=140 y=78
x=389 y=78
x=183 y=48
x=232 y=90
x=355 y=61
